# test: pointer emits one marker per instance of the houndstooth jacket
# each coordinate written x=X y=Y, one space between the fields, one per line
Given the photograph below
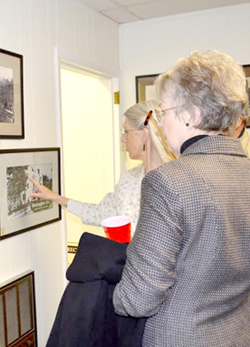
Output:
x=188 y=265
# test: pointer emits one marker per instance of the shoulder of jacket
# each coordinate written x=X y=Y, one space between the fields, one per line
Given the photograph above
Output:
x=166 y=175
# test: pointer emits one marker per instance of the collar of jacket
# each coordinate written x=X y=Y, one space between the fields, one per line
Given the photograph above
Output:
x=218 y=144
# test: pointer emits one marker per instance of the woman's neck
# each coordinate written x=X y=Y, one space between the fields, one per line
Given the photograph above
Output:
x=152 y=160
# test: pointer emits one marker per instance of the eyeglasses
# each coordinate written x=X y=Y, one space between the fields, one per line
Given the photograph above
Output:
x=125 y=131
x=161 y=113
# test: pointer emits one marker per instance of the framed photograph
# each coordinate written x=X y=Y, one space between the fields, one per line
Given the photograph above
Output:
x=11 y=95
x=18 y=311
x=247 y=73
x=145 y=88
x=18 y=212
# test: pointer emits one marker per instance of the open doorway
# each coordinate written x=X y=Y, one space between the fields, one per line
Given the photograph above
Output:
x=87 y=142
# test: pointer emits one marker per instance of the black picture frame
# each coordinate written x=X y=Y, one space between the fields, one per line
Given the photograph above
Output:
x=11 y=95
x=141 y=84
x=247 y=73
x=18 y=212
x=18 y=295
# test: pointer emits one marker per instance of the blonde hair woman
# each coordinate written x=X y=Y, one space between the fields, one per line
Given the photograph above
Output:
x=144 y=141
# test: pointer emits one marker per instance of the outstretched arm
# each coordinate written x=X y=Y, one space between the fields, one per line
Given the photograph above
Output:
x=42 y=192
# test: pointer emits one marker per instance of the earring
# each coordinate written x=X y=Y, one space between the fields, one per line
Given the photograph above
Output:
x=187 y=124
x=144 y=147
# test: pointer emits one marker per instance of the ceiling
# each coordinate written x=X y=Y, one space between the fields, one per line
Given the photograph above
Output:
x=124 y=11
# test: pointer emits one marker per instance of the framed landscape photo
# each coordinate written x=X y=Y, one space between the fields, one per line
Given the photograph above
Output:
x=18 y=212
x=145 y=88
x=247 y=73
x=11 y=95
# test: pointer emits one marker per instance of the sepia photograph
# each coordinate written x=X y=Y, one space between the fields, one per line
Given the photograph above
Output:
x=18 y=212
x=6 y=95
x=11 y=95
x=19 y=188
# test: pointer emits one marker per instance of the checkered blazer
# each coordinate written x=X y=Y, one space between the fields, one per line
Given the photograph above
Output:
x=188 y=265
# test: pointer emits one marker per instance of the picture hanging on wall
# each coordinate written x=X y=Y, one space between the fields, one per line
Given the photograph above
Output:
x=11 y=95
x=247 y=73
x=18 y=311
x=145 y=88
x=18 y=212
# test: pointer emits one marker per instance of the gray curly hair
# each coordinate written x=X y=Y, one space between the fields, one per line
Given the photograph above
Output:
x=211 y=81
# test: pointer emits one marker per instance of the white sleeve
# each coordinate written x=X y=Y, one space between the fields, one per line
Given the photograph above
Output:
x=93 y=214
x=123 y=201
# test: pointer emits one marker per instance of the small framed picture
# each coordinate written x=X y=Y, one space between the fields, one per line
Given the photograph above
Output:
x=18 y=311
x=11 y=95
x=18 y=212
x=145 y=88
x=247 y=73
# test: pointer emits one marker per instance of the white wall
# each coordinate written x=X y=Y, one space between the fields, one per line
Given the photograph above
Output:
x=153 y=46
x=33 y=28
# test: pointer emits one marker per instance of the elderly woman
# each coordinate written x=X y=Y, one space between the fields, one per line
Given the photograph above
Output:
x=144 y=141
x=187 y=266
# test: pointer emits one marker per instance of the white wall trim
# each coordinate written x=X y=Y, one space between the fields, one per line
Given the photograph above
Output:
x=73 y=62
x=59 y=136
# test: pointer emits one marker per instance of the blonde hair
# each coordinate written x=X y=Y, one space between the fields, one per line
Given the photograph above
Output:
x=136 y=116
x=245 y=113
x=212 y=82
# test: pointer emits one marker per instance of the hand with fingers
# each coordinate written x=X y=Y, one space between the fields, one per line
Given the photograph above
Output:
x=42 y=192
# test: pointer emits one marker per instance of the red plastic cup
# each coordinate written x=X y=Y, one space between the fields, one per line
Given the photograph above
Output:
x=117 y=228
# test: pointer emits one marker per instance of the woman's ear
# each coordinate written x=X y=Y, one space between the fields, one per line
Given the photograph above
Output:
x=192 y=121
x=239 y=126
x=145 y=135
x=239 y=121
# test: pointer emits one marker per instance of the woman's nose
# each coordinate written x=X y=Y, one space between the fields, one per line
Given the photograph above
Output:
x=123 y=138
